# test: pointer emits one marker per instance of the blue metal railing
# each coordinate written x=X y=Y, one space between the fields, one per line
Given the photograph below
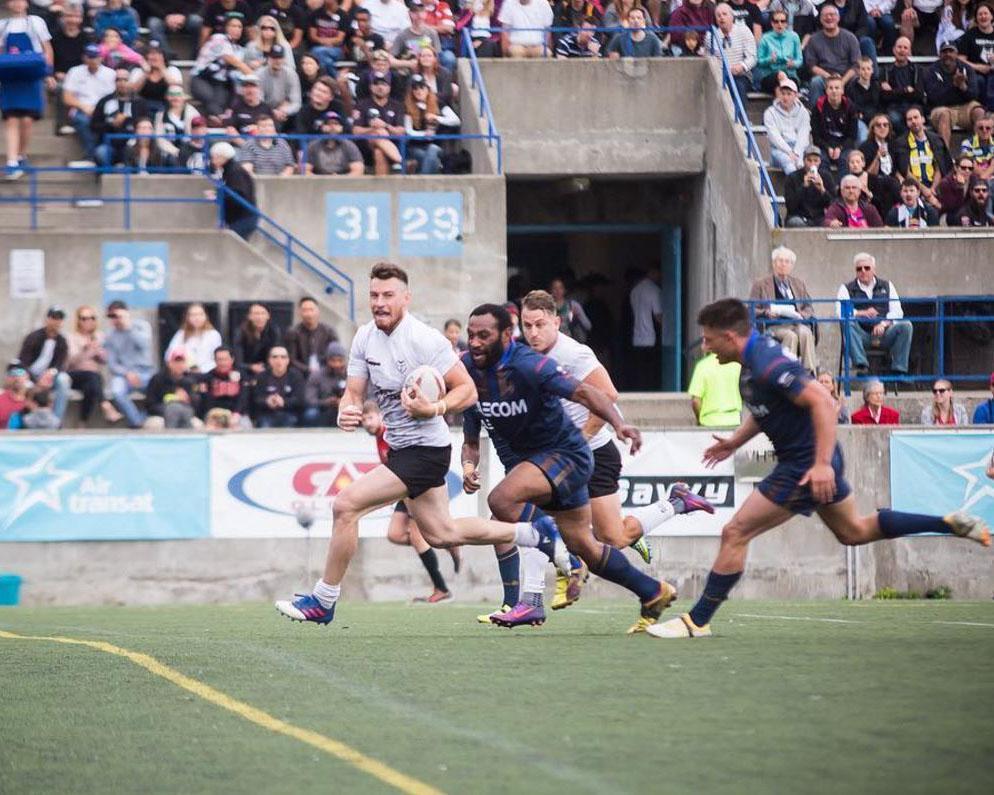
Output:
x=484 y=111
x=845 y=318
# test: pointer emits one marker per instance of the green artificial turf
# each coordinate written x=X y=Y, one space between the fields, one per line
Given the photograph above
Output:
x=893 y=700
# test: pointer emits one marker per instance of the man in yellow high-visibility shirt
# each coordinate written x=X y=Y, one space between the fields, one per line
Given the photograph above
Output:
x=714 y=393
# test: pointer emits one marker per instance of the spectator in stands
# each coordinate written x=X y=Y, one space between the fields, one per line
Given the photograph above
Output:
x=325 y=387
x=291 y=18
x=826 y=380
x=13 y=396
x=241 y=216
x=874 y=412
x=921 y=155
x=38 y=414
x=573 y=320
x=523 y=22
x=976 y=47
x=193 y=153
x=219 y=59
x=308 y=341
x=809 y=191
x=117 y=16
x=954 y=189
x=739 y=46
x=411 y=40
x=197 y=339
x=68 y=43
x=802 y=16
x=254 y=339
x=788 y=127
x=224 y=388
x=570 y=13
x=379 y=66
x=880 y=22
x=792 y=302
x=453 y=333
x=834 y=124
x=983 y=414
x=84 y=87
x=332 y=156
x=778 y=55
x=22 y=99
x=714 y=393
x=266 y=155
x=440 y=80
x=129 y=359
x=439 y=17
x=152 y=81
x=422 y=117
x=851 y=209
x=173 y=124
x=324 y=96
x=901 y=85
x=635 y=41
x=480 y=17
x=582 y=42
x=171 y=395
x=217 y=13
x=912 y=212
x=974 y=211
x=327 y=28
x=382 y=117
x=242 y=114
x=308 y=72
x=881 y=191
x=219 y=420
x=878 y=148
x=944 y=410
x=268 y=34
x=115 y=53
x=85 y=363
x=278 y=392
x=174 y=17
x=690 y=14
x=616 y=12
x=748 y=14
x=952 y=90
x=45 y=353
x=878 y=317
x=981 y=146
x=143 y=151
x=280 y=86
x=854 y=18
x=864 y=93
x=646 y=301
x=363 y=41
x=116 y=114
x=921 y=16
x=832 y=50
x=387 y=18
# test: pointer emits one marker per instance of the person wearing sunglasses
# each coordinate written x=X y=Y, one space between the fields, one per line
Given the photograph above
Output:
x=878 y=317
x=954 y=189
x=974 y=211
x=944 y=410
x=981 y=146
x=778 y=54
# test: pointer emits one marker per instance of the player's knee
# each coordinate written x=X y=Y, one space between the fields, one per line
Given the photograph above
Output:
x=345 y=507
x=502 y=505
x=734 y=532
x=398 y=536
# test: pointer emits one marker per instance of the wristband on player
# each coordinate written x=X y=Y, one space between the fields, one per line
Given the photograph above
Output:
x=468 y=468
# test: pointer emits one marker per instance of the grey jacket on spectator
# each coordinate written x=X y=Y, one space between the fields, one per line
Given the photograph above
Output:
x=788 y=131
x=130 y=350
x=323 y=384
x=283 y=86
x=959 y=414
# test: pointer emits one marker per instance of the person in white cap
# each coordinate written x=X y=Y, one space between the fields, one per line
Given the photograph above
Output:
x=788 y=127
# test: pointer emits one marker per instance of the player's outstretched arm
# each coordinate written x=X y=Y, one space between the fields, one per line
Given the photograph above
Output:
x=724 y=447
x=601 y=405
x=350 y=406
x=824 y=418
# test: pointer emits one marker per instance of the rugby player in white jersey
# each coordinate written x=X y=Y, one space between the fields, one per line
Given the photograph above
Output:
x=540 y=328
x=384 y=350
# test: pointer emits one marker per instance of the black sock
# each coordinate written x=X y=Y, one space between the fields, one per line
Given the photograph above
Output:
x=509 y=565
x=715 y=592
x=894 y=524
x=430 y=561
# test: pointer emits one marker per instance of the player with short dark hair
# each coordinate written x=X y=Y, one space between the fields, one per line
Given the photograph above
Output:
x=799 y=417
x=547 y=460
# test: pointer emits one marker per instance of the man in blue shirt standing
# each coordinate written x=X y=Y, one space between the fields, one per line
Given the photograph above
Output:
x=799 y=417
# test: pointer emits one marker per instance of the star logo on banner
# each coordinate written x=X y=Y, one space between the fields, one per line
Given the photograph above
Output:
x=37 y=484
x=977 y=484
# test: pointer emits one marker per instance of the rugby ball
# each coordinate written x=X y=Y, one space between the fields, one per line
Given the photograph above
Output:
x=428 y=381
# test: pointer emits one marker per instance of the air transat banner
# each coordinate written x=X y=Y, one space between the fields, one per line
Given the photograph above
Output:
x=103 y=488
x=940 y=472
x=262 y=482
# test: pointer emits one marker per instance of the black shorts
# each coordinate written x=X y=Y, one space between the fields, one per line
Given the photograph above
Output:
x=20 y=113
x=401 y=507
x=607 y=470
x=420 y=467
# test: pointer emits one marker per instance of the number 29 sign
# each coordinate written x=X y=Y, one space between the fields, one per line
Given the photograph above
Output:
x=136 y=273
x=425 y=224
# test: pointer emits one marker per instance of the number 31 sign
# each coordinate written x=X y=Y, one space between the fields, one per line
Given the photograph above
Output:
x=425 y=224
x=136 y=273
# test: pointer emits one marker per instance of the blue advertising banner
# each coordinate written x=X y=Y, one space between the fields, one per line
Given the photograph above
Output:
x=940 y=472
x=104 y=488
x=358 y=224
x=136 y=273
x=430 y=224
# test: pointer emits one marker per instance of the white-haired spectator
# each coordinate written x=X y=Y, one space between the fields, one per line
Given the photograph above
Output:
x=738 y=44
x=44 y=354
x=197 y=338
x=523 y=23
x=791 y=301
x=788 y=127
x=851 y=209
x=239 y=209
x=873 y=411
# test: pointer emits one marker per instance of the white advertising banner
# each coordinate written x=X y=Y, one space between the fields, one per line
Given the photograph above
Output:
x=259 y=481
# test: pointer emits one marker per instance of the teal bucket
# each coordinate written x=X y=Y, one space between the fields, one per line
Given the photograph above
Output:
x=10 y=589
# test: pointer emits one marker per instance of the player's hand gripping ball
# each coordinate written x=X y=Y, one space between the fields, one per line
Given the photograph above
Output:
x=423 y=388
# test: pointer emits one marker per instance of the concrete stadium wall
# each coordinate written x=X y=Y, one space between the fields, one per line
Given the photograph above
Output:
x=798 y=561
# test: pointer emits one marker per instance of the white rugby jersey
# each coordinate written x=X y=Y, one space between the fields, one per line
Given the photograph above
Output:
x=578 y=361
x=385 y=360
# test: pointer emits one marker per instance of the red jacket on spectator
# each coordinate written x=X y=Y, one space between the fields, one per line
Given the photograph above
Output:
x=690 y=16
x=837 y=212
x=888 y=416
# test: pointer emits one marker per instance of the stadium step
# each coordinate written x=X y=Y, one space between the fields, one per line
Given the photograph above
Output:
x=60 y=216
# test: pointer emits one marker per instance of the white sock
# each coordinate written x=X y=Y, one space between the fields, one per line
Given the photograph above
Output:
x=326 y=594
x=12 y=163
x=525 y=535
x=533 y=566
x=651 y=516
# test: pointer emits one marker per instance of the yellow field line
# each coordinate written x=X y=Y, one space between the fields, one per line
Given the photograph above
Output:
x=385 y=773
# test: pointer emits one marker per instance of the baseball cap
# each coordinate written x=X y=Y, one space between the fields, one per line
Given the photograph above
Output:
x=418 y=80
x=380 y=79
x=91 y=51
x=153 y=44
x=175 y=91
x=115 y=305
x=277 y=51
x=334 y=349
x=250 y=80
x=812 y=150
x=56 y=311
x=331 y=116
x=948 y=45
x=788 y=83
x=16 y=368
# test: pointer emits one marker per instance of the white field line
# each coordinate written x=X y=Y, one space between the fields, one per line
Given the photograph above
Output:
x=965 y=623
x=797 y=618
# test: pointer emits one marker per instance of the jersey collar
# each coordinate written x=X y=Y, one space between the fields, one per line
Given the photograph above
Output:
x=753 y=339
x=507 y=354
